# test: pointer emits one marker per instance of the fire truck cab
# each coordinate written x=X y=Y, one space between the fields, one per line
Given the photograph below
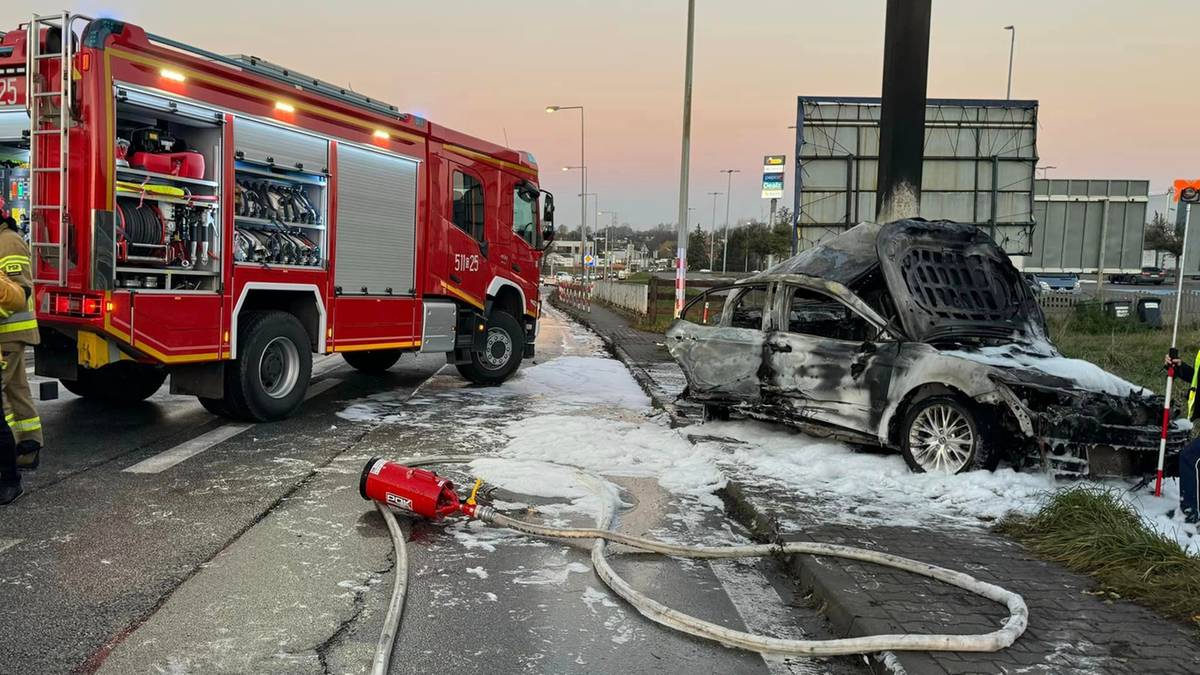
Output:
x=222 y=219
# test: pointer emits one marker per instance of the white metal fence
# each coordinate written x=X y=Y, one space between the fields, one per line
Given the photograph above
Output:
x=631 y=297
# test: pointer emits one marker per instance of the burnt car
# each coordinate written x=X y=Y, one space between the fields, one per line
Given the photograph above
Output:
x=919 y=337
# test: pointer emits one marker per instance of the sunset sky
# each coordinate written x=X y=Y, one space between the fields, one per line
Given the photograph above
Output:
x=1113 y=103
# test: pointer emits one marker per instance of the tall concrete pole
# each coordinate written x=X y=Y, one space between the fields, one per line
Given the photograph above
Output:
x=728 y=191
x=685 y=164
x=902 y=117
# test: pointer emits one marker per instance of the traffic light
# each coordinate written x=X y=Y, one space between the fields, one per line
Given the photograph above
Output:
x=1187 y=191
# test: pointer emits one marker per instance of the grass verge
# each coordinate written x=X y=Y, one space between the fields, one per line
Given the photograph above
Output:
x=1094 y=531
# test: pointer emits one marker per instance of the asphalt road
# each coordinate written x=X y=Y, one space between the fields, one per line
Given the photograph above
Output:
x=158 y=538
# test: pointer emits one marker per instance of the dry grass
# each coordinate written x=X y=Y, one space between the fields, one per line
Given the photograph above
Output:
x=1093 y=531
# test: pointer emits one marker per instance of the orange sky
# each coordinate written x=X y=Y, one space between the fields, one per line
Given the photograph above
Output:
x=1101 y=70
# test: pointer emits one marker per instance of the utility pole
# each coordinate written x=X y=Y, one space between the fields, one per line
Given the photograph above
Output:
x=684 y=164
x=1012 y=46
x=728 y=191
x=902 y=114
x=712 y=238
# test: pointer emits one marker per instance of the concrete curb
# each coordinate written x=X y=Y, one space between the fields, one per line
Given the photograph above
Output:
x=827 y=583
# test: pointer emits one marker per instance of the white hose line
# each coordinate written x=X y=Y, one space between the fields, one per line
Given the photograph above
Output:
x=391 y=622
x=1017 y=621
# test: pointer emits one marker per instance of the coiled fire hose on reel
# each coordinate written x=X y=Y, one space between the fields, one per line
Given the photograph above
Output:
x=402 y=484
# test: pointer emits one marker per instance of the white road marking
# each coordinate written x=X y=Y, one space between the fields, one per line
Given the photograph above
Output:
x=6 y=544
x=190 y=448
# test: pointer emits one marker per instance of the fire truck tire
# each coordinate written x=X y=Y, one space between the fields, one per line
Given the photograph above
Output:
x=375 y=361
x=123 y=382
x=502 y=352
x=215 y=406
x=270 y=376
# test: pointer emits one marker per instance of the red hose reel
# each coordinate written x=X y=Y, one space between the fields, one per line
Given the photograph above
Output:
x=417 y=491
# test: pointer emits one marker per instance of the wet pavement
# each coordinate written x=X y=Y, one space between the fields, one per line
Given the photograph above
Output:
x=258 y=555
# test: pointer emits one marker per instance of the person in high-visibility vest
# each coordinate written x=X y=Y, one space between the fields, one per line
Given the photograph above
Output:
x=13 y=298
x=18 y=330
x=1189 y=459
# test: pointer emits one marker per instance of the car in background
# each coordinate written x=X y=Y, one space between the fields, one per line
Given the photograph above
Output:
x=1148 y=275
x=919 y=337
x=563 y=277
x=1055 y=281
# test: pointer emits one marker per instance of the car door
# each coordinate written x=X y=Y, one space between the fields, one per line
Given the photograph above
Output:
x=826 y=361
x=718 y=342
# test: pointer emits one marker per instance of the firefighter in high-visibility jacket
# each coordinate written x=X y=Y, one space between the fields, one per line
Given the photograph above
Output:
x=19 y=329
x=14 y=298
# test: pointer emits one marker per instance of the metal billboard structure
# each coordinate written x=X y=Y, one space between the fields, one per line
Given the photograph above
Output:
x=1079 y=220
x=980 y=157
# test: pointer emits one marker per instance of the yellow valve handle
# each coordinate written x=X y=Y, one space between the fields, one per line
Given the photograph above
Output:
x=474 y=491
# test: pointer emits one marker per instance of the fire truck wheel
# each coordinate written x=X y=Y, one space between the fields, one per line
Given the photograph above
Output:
x=215 y=406
x=502 y=351
x=122 y=382
x=375 y=361
x=271 y=373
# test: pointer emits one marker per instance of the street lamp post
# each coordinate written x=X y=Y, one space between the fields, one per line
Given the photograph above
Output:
x=582 y=178
x=712 y=239
x=1012 y=45
x=728 y=192
x=613 y=217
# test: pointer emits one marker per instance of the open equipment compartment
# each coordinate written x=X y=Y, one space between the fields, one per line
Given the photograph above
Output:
x=168 y=178
x=14 y=163
x=280 y=199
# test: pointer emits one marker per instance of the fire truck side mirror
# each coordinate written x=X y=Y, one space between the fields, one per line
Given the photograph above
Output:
x=547 y=220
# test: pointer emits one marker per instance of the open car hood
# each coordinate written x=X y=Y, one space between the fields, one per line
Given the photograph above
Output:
x=949 y=280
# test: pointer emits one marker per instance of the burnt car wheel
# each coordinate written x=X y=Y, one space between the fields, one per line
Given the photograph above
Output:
x=941 y=435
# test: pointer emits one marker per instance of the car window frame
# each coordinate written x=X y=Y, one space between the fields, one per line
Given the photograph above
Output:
x=783 y=303
x=726 y=316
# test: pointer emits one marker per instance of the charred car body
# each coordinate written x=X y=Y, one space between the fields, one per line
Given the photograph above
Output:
x=917 y=336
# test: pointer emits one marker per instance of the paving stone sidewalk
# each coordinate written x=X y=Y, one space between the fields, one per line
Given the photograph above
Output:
x=1072 y=628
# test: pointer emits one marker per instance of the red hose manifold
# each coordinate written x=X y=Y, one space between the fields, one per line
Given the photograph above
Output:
x=417 y=491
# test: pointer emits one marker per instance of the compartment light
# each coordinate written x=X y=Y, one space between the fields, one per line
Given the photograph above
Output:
x=382 y=135
x=285 y=107
x=173 y=75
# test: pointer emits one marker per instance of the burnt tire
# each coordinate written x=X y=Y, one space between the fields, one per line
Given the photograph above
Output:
x=504 y=347
x=270 y=376
x=374 y=361
x=123 y=382
x=941 y=434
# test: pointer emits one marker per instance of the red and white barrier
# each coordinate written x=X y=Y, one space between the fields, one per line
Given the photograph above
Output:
x=577 y=294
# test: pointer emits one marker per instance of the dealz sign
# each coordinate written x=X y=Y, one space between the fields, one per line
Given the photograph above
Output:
x=772 y=182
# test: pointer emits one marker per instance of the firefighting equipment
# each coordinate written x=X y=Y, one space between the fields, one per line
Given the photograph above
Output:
x=404 y=486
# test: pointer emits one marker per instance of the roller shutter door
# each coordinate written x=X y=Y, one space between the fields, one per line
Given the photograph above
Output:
x=376 y=222
x=269 y=144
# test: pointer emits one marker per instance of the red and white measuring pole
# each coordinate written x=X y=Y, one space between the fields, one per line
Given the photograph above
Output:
x=1187 y=192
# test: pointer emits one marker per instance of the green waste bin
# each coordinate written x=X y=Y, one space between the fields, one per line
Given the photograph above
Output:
x=1149 y=311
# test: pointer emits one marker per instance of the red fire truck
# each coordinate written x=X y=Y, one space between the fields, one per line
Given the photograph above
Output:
x=221 y=219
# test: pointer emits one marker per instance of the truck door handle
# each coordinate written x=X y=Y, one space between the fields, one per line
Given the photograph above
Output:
x=516 y=268
x=779 y=349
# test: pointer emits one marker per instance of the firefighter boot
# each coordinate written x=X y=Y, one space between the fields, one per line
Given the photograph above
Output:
x=10 y=480
x=29 y=455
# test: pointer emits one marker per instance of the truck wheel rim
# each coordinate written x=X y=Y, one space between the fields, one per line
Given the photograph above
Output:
x=498 y=349
x=279 y=367
x=941 y=439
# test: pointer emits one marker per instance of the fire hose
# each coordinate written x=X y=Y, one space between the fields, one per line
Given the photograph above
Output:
x=423 y=493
